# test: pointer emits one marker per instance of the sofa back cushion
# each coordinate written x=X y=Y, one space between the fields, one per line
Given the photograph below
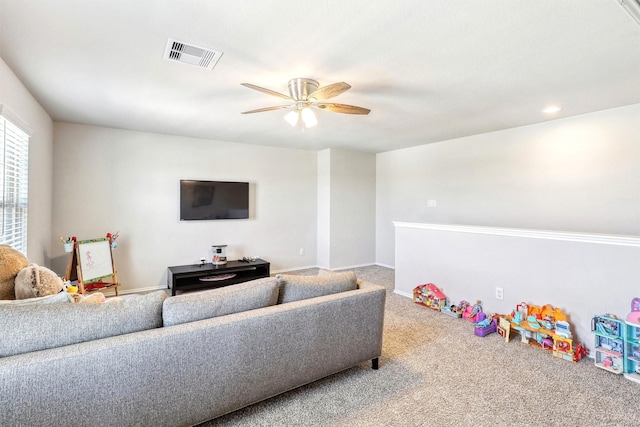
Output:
x=294 y=288
x=49 y=299
x=27 y=328
x=231 y=299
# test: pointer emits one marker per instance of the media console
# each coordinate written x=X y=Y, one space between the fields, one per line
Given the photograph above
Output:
x=196 y=276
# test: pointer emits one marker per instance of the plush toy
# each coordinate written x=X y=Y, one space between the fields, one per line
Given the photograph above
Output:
x=35 y=281
x=11 y=262
x=94 y=298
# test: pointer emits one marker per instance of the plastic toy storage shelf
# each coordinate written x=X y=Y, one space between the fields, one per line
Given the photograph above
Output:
x=194 y=276
x=632 y=355
x=609 y=343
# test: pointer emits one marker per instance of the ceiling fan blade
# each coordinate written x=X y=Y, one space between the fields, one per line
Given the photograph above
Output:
x=342 y=108
x=260 y=110
x=267 y=91
x=329 y=91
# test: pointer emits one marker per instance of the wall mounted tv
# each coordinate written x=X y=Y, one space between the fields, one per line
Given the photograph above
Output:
x=206 y=200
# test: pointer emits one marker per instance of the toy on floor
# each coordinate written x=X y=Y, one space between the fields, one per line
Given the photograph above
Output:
x=471 y=312
x=545 y=341
x=544 y=327
x=430 y=296
x=481 y=320
x=486 y=330
x=462 y=306
x=631 y=342
x=487 y=325
x=579 y=352
x=451 y=310
x=504 y=328
x=634 y=316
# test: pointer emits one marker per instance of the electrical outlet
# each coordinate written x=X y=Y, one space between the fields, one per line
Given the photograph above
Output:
x=499 y=293
x=431 y=203
x=301 y=251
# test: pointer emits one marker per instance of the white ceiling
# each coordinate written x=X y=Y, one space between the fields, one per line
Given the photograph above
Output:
x=429 y=70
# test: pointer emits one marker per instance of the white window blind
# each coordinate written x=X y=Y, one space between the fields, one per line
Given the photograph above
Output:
x=14 y=176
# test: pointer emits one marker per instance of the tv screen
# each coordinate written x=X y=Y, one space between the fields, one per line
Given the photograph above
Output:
x=205 y=200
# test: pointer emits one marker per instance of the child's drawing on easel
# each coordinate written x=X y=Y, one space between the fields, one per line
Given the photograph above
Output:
x=89 y=263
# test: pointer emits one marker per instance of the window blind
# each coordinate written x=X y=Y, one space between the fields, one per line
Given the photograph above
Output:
x=14 y=176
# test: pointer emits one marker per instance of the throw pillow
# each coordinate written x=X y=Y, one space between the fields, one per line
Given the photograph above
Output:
x=49 y=299
x=33 y=327
x=219 y=302
x=294 y=288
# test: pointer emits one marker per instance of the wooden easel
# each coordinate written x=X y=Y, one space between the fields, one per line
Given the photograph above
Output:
x=105 y=279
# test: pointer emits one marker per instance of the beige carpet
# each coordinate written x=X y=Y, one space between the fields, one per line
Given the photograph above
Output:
x=435 y=372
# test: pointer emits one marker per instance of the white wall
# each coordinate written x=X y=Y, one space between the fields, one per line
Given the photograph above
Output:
x=346 y=208
x=352 y=208
x=582 y=274
x=576 y=174
x=324 y=208
x=109 y=180
x=15 y=97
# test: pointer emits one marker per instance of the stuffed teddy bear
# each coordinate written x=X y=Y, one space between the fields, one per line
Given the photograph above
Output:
x=11 y=262
x=36 y=281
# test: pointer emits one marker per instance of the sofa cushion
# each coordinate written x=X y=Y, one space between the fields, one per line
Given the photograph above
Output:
x=27 y=328
x=231 y=299
x=294 y=288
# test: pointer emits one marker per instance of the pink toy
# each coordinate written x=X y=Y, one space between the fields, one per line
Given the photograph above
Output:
x=634 y=316
x=471 y=312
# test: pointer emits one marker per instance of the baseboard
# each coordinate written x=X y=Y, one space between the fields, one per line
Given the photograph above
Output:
x=347 y=267
x=403 y=294
x=287 y=270
x=350 y=266
x=141 y=290
x=385 y=266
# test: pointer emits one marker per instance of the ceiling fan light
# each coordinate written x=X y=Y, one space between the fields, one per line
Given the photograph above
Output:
x=308 y=117
x=552 y=109
x=292 y=117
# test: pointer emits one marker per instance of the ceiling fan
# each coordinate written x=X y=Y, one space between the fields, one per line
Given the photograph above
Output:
x=305 y=94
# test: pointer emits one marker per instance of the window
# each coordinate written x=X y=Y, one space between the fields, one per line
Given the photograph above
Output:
x=14 y=178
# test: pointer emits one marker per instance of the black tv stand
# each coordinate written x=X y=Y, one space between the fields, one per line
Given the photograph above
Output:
x=203 y=276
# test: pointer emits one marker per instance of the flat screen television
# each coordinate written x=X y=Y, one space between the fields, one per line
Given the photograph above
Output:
x=206 y=200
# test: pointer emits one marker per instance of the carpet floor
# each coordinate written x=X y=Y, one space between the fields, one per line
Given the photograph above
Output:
x=435 y=372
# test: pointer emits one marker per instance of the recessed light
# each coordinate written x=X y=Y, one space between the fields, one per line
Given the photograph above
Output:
x=552 y=109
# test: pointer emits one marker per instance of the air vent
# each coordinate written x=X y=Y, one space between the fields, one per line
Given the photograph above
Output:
x=193 y=55
x=632 y=7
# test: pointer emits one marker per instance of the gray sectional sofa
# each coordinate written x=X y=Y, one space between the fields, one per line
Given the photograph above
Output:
x=153 y=360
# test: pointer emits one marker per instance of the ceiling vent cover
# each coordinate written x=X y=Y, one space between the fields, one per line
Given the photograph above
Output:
x=193 y=55
x=632 y=7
